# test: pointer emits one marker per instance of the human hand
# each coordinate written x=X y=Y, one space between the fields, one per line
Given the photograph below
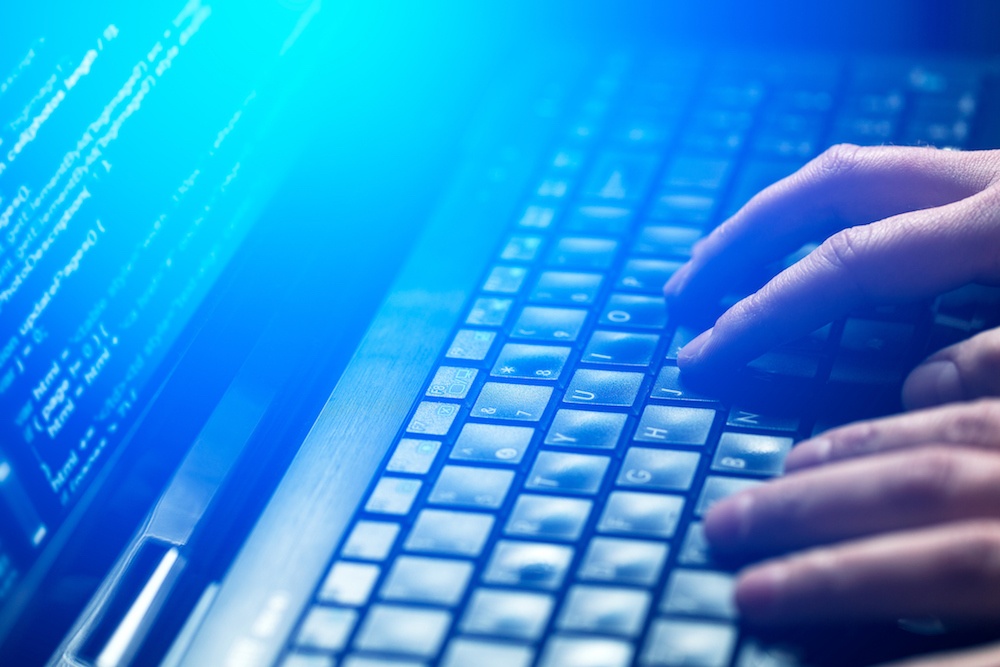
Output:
x=902 y=224
x=897 y=517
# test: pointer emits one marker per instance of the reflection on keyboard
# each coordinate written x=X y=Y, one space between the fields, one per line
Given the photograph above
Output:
x=543 y=504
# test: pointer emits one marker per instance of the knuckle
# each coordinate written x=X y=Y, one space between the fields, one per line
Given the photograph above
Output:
x=855 y=440
x=974 y=423
x=845 y=250
x=838 y=160
x=926 y=482
x=975 y=555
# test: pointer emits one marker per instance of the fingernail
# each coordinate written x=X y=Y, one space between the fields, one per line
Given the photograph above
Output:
x=759 y=590
x=933 y=383
x=808 y=454
x=694 y=350
x=727 y=523
x=674 y=283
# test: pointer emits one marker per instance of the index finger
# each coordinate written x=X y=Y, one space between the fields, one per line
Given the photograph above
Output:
x=905 y=257
x=845 y=186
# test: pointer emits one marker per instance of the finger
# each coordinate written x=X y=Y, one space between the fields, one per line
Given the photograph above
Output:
x=845 y=186
x=984 y=656
x=973 y=424
x=950 y=571
x=896 y=259
x=963 y=371
x=891 y=491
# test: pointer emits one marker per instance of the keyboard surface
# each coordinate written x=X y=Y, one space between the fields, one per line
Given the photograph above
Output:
x=542 y=503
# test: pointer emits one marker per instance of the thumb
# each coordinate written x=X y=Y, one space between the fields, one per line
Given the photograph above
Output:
x=960 y=372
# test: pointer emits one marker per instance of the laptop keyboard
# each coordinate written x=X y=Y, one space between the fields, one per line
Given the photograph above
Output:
x=542 y=504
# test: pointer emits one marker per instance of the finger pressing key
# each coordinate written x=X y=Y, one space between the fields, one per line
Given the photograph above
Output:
x=951 y=572
x=896 y=259
x=975 y=424
x=845 y=186
x=859 y=497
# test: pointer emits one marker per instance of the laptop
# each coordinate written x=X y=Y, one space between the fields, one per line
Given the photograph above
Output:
x=333 y=334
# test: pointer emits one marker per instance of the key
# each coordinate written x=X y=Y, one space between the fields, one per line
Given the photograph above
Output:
x=413 y=456
x=297 y=659
x=326 y=628
x=583 y=253
x=528 y=564
x=521 y=248
x=641 y=514
x=349 y=584
x=563 y=651
x=449 y=533
x=548 y=517
x=557 y=325
x=716 y=488
x=599 y=387
x=600 y=220
x=756 y=175
x=362 y=661
x=661 y=469
x=751 y=453
x=370 y=540
x=618 y=348
x=508 y=614
x=471 y=344
x=433 y=418
x=700 y=593
x=534 y=362
x=623 y=561
x=756 y=654
x=766 y=422
x=554 y=187
x=734 y=94
x=518 y=402
x=666 y=424
x=492 y=443
x=865 y=130
x=567 y=473
x=786 y=365
x=670 y=386
x=621 y=177
x=431 y=580
x=890 y=339
x=582 y=428
x=642 y=131
x=684 y=209
x=567 y=160
x=537 y=217
x=634 y=311
x=452 y=382
x=605 y=610
x=689 y=643
x=567 y=288
x=646 y=275
x=666 y=241
x=405 y=630
x=690 y=172
x=505 y=279
x=477 y=488
x=393 y=495
x=489 y=312
x=463 y=652
x=695 y=550
x=682 y=336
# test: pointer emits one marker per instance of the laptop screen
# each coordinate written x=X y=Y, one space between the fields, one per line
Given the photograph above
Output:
x=136 y=145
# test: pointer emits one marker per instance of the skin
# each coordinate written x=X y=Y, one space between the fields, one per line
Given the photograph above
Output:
x=890 y=518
